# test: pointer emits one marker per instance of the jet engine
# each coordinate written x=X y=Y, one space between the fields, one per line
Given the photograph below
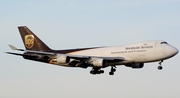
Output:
x=135 y=65
x=62 y=59
x=97 y=62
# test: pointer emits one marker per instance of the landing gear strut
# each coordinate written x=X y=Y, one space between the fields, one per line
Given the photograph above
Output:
x=160 y=67
x=113 y=69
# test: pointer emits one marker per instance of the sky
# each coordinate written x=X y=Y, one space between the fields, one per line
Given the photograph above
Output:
x=65 y=24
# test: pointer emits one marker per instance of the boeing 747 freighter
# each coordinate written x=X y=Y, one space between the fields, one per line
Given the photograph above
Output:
x=132 y=55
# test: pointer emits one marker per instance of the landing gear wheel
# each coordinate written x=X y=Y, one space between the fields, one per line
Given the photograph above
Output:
x=92 y=72
x=95 y=71
x=111 y=73
x=160 y=67
x=101 y=71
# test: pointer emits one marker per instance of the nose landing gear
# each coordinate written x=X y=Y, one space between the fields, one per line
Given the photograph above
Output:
x=160 y=67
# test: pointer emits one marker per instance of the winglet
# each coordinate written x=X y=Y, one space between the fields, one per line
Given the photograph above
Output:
x=14 y=48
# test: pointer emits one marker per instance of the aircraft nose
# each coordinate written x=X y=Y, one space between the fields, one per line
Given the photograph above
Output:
x=171 y=51
x=175 y=50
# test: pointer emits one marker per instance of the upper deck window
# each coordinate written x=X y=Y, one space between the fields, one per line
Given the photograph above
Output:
x=164 y=43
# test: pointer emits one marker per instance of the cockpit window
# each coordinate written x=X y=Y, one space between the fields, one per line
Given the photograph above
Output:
x=164 y=43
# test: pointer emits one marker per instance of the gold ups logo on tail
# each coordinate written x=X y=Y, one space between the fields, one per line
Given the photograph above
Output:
x=29 y=41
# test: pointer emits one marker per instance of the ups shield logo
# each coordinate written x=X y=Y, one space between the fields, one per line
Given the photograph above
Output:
x=29 y=41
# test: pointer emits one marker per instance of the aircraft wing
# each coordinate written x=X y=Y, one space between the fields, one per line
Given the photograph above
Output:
x=77 y=57
x=78 y=60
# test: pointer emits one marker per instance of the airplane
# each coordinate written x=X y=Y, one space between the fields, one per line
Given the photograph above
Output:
x=131 y=55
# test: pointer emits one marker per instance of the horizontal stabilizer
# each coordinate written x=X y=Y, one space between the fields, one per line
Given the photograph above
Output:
x=14 y=53
x=21 y=54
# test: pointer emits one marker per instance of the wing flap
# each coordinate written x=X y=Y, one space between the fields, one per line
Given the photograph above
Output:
x=81 y=57
x=40 y=52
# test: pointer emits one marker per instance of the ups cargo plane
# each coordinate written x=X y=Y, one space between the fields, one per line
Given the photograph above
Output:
x=132 y=55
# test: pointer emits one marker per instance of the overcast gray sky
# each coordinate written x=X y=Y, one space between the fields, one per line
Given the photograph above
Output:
x=63 y=24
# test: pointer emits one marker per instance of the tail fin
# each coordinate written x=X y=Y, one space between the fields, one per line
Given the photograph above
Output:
x=31 y=41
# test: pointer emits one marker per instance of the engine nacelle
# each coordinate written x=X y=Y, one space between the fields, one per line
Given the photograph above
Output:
x=62 y=59
x=135 y=65
x=97 y=62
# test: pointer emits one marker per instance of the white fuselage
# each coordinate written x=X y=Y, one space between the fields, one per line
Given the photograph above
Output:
x=143 y=52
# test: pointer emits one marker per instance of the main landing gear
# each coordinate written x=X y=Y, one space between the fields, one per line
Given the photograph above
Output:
x=160 y=67
x=113 y=69
x=95 y=71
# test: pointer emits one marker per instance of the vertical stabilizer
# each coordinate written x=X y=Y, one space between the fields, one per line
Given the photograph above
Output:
x=31 y=41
